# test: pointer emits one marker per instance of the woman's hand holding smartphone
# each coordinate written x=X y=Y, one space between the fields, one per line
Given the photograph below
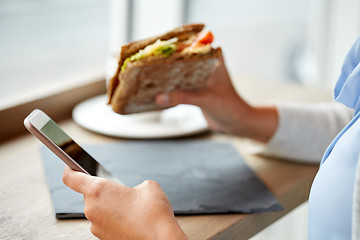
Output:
x=115 y=211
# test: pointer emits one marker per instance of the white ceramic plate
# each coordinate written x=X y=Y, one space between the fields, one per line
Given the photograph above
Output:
x=183 y=120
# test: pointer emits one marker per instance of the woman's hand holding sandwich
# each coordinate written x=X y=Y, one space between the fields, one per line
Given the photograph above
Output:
x=224 y=109
x=120 y=212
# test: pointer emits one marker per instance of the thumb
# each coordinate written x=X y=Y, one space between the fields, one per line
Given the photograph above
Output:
x=174 y=98
x=77 y=181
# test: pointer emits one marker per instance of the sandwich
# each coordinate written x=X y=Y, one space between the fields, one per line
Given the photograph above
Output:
x=181 y=59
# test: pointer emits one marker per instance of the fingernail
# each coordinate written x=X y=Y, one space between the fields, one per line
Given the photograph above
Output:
x=163 y=99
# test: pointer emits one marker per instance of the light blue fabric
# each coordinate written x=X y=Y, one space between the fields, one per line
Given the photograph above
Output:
x=330 y=202
x=347 y=88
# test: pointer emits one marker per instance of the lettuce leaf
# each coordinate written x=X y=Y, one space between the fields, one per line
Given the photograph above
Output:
x=164 y=48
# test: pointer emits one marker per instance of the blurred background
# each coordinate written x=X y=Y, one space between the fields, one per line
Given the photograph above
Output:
x=49 y=45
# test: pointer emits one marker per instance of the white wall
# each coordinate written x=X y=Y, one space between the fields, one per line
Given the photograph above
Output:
x=332 y=28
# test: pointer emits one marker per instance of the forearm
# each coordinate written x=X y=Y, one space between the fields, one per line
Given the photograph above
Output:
x=261 y=123
x=305 y=130
x=296 y=131
x=243 y=120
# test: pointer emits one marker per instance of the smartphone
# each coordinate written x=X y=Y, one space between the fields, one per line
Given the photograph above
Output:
x=53 y=137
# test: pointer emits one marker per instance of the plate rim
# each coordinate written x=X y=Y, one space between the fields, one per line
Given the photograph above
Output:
x=79 y=107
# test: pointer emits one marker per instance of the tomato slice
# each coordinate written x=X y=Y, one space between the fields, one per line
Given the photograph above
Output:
x=204 y=37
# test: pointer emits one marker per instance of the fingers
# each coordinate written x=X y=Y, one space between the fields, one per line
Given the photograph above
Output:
x=77 y=181
x=182 y=97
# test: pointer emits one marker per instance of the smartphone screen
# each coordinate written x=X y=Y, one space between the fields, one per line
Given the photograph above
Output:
x=70 y=147
x=67 y=149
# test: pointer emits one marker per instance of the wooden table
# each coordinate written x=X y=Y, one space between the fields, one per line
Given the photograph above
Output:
x=26 y=210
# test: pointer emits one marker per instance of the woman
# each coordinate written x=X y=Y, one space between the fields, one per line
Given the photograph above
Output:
x=299 y=132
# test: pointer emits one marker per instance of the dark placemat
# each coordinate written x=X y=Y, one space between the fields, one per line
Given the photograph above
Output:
x=199 y=177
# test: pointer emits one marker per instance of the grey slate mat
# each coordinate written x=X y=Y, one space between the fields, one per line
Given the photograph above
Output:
x=199 y=177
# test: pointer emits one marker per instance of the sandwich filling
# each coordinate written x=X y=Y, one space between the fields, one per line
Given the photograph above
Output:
x=198 y=44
